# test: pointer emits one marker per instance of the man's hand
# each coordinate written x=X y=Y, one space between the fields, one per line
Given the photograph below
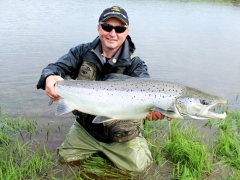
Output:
x=154 y=115
x=50 y=86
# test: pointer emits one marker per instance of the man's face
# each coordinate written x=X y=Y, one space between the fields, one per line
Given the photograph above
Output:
x=112 y=40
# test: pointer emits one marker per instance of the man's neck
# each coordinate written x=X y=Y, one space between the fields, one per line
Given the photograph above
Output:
x=109 y=53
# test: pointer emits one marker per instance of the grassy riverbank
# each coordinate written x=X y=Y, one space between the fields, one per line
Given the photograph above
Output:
x=181 y=150
x=237 y=2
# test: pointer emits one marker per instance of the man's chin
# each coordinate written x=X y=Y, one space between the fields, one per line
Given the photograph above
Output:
x=112 y=46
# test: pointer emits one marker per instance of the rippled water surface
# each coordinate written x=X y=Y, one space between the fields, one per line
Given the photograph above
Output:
x=193 y=43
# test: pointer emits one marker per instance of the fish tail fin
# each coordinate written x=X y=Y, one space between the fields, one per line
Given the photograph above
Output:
x=63 y=107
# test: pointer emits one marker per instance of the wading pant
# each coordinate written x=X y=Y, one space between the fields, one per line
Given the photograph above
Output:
x=133 y=155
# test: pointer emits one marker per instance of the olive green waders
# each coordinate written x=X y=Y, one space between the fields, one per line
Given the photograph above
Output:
x=133 y=155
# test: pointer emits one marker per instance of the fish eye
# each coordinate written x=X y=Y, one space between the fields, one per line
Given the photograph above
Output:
x=204 y=102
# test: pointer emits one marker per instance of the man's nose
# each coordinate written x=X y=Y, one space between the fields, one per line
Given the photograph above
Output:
x=112 y=32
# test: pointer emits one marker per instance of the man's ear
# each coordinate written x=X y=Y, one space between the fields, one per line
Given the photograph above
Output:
x=98 y=27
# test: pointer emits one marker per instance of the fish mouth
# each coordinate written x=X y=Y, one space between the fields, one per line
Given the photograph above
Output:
x=208 y=111
x=201 y=109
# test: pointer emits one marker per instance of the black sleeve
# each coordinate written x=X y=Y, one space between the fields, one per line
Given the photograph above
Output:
x=66 y=65
x=138 y=68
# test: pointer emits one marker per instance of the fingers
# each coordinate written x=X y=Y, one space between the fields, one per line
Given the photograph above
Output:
x=169 y=119
x=50 y=87
x=52 y=96
x=149 y=116
x=154 y=115
x=157 y=115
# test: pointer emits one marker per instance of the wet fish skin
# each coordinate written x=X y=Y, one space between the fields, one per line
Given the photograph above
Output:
x=125 y=98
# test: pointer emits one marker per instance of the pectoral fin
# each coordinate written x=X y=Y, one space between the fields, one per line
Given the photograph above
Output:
x=63 y=107
x=169 y=112
x=101 y=119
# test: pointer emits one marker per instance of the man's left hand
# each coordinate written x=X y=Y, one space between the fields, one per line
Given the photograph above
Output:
x=154 y=116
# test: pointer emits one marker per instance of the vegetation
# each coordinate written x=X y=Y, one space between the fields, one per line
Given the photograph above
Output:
x=181 y=150
x=236 y=2
x=194 y=155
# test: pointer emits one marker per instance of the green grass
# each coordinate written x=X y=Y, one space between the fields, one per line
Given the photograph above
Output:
x=191 y=154
x=184 y=149
x=214 y=1
x=180 y=150
x=19 y=159
x=228 y=143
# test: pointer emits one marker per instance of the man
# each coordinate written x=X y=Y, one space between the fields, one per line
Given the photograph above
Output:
x=111 y=52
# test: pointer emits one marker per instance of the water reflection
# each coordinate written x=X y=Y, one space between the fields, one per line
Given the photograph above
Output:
x=196 y=44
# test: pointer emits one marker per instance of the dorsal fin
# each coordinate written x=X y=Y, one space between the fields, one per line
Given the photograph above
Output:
x=114 y=76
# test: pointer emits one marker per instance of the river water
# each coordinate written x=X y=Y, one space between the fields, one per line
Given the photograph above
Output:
x=193 y=43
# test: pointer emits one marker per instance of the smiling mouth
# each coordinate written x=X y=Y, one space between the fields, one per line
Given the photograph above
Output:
x=112 y=40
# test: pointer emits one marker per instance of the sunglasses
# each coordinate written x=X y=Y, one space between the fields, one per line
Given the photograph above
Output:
x=109 y=28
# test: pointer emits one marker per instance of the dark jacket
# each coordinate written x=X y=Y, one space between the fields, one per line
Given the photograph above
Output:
x=70 y=63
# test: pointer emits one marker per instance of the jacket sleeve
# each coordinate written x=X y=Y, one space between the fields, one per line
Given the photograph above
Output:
x=66 y=65
x=138 y=68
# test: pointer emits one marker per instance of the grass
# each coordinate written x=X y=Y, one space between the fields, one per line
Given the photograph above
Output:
x=180 y=150
x=184 y=149
x=237 y=2
x=228 y=142
x=182 y=145
x=19 y=159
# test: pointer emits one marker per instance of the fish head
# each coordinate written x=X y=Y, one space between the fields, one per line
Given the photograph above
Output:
x=200 y=107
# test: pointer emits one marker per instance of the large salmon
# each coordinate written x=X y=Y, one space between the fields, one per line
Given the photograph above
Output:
x=125 y=98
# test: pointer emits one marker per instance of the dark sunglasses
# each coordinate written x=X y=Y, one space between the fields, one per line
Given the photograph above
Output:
x=109 y=28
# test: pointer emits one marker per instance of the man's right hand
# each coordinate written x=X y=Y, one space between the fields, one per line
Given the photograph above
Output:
x=50 y=86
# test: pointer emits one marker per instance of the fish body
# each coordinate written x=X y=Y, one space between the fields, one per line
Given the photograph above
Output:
x=126 y=98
